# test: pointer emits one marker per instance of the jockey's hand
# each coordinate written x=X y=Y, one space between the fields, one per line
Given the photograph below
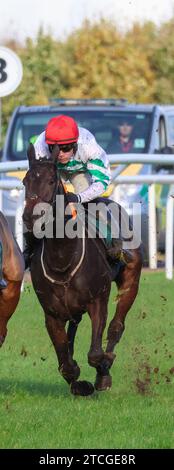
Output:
x=73 y=197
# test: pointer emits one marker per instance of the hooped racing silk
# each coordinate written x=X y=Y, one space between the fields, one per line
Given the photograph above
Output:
x=90 y=158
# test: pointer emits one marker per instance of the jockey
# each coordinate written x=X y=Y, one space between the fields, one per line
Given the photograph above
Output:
x=81 y=160
x=3 y=283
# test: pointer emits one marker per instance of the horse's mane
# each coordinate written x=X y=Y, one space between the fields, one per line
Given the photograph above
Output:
x=42 y=160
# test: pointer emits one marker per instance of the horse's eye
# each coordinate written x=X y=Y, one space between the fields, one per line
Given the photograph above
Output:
x=51 y=182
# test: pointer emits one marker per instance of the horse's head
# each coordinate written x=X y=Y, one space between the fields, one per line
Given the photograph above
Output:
x=40 y=183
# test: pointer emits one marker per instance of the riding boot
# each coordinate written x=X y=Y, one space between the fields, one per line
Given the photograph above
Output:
x=30 y=243
x=115 y=249
x=117 y=253
x=3 y=283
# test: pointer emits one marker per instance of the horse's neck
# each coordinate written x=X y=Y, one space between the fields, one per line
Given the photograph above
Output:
x=61 y=252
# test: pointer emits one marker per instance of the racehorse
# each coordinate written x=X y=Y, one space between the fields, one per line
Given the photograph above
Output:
x=13 y=272
x=71 y=277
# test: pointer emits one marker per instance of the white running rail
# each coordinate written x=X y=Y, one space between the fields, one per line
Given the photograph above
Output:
x=122 y=160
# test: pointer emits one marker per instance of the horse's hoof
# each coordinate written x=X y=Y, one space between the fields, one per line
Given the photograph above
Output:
x=103 y=382
x=82 y=387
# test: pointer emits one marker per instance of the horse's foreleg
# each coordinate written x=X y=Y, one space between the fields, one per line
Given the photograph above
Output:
x=67 y=366
x=9 y=298
x=97 y=357
x=56 y=330
x=127 y=283
x=98 y=314
x=71 y=332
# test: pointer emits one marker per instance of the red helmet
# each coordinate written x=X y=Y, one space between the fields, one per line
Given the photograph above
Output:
x=61 y=130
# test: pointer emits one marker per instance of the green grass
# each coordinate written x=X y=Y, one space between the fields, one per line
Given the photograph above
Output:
x=36 y=407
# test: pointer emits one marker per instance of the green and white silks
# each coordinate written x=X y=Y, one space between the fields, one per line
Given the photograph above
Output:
x=90 y=158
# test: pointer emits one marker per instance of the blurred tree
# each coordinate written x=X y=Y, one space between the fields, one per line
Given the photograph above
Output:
x=41 y=73
x=96 y=61
x=143 y=37
x=103 y=63
x=162 y=63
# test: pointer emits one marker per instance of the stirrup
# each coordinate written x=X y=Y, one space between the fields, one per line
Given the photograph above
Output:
x=127 y=256
x=114 y=252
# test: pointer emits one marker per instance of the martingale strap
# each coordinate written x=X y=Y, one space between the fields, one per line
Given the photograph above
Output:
x=72 y=274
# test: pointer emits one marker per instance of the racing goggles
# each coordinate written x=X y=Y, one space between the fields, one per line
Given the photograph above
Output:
x=68 y=147
x=65 y=147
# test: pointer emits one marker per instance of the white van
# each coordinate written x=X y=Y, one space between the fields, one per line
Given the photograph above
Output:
x=153 y=132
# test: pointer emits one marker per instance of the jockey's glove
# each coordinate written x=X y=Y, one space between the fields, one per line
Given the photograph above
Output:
x=73 y=197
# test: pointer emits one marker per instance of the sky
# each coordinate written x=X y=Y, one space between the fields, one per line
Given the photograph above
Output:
x=22 y=18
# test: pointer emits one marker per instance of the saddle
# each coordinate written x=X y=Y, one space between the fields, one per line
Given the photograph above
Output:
x=100 y=223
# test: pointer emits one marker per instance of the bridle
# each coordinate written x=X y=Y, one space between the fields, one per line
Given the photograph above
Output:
x=52 y=200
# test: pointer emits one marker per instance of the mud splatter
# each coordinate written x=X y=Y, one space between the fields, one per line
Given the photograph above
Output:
x=147 y=373
x=8 y=405
x=143 y=380
x=142 y=315
x=168 y=380
x=24 y=352
x=163 y=298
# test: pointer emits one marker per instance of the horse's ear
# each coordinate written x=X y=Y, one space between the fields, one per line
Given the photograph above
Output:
x=31 y=154
x=55 y=153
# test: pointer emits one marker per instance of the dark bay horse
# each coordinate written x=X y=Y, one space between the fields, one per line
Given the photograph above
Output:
x=71 y=277
x=13 y=272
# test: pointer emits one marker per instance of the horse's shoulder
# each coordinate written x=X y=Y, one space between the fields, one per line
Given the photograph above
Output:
x=3 y=220
x=5 y=229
